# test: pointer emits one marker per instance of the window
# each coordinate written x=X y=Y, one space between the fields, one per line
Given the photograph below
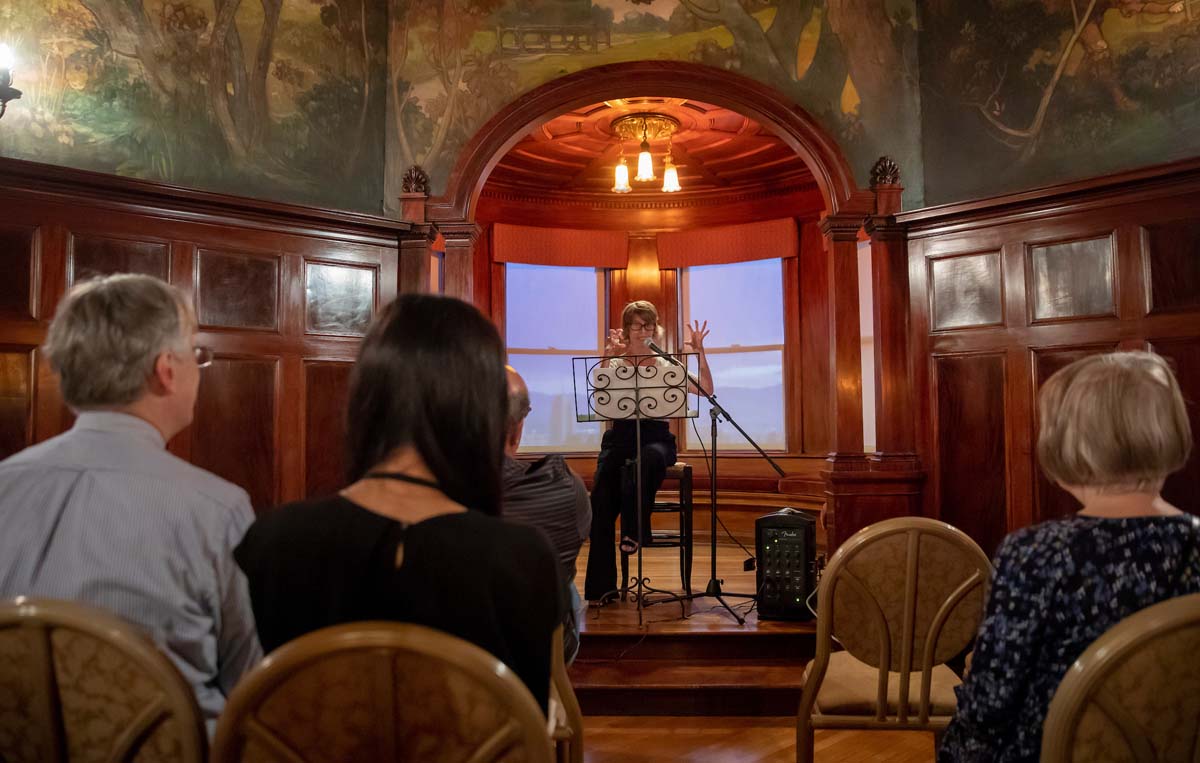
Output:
x=551 y=315
x=743 y=304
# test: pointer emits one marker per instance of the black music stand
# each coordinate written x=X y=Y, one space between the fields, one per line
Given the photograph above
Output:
x=628 y=390
x=716 y=413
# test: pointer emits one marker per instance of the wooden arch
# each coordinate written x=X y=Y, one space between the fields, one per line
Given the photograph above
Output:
x=678 y=79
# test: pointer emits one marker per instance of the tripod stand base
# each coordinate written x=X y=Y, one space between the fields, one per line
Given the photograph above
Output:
x=604 y=600
x=713 y=591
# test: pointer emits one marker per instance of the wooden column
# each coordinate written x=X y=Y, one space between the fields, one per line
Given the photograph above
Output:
x=460 y=259
x=861 y=490
x=414 y=260
x=895 y=411
x=481 y=268
x=845 y=351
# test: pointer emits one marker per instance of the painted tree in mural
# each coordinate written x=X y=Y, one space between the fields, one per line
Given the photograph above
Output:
x=238 y=91
x=352 y=19
x=469 y=85
x=236 y=88
x=857 y=37
x=1030 y=67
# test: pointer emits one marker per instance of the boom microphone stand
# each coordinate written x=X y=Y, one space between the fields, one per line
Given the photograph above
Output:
x=716 y=413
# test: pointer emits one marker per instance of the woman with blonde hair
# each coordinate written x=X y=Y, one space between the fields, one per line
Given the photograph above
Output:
x=614 y=491
x=1113 y=427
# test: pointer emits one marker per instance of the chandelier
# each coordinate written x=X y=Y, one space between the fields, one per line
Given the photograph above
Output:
x=647 y=126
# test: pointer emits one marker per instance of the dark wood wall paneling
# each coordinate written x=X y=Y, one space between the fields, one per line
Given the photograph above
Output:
x=970 y=460
x=1007 y=291
x=283 y=295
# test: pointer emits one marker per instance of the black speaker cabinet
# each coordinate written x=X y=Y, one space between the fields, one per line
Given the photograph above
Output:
x=786 y=543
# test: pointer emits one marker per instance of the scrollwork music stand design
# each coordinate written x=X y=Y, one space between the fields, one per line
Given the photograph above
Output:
x=611 y=389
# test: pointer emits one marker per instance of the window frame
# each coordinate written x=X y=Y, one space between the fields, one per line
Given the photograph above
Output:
x=686 y=434
x=602 y=299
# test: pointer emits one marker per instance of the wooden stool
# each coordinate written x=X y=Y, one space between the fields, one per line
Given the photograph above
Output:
x=681 y=539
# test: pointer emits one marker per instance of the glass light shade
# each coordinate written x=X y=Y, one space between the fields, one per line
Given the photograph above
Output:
x=8 y=59
x=621 y=178
x=670 y=177
x=645 y=164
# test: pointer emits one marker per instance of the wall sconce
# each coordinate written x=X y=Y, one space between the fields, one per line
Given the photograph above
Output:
x=7 y=92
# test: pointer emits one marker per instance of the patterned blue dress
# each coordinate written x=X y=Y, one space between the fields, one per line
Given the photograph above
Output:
x=1057 y=587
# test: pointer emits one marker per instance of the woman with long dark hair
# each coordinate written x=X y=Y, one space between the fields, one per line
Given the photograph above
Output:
x=416 y=536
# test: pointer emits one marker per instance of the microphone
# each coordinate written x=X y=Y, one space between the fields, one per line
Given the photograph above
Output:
x=660 y=352
x=663 y=354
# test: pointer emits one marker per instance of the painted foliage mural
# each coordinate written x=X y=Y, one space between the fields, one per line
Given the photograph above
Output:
x=455 y=63
x=1020 y=93
x=279 y=99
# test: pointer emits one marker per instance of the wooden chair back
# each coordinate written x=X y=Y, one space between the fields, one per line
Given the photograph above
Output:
x=381 y=691
x=568 y=717
x=902 y=596
x=79 y=684
x=1134 y=694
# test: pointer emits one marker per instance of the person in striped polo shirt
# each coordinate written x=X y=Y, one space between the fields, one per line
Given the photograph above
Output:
x=547 y=495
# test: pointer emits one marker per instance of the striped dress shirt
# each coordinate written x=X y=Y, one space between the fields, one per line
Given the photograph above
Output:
x=103 y=514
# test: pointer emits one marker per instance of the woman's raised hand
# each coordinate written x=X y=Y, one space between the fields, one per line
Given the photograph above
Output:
x=693 y=340
x=616 y=344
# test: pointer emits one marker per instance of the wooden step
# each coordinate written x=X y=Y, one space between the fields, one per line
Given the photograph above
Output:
x=665 y=687
x=796 y=643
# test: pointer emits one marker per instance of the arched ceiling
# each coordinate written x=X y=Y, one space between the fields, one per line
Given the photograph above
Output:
x=718 y=152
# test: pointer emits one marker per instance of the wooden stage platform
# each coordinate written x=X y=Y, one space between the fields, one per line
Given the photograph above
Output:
x=690 y=684
x=694 y=658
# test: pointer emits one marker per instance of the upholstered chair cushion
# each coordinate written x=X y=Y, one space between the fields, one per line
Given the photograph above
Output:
x=851 y=687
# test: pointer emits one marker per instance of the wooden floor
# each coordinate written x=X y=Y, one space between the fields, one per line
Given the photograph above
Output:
x=618 y=648
x=658 y=739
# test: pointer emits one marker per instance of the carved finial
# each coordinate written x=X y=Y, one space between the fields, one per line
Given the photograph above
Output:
x=885 y=172
x=416 y=180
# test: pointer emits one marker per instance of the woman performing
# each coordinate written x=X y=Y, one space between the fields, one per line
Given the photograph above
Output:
x=614 y=487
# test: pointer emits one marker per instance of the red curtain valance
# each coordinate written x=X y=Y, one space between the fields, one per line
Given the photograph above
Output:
x=729 y=243
x=559 y=246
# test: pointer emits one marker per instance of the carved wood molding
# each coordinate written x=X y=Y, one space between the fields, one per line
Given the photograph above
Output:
x=766 y=105
x=69 y=185
x=885 y=229
x=462 y=235
x=841 y=227
x=1162 y=180
x=601 y=201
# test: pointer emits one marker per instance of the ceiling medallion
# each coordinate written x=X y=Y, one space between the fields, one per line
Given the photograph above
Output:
x=644 y=125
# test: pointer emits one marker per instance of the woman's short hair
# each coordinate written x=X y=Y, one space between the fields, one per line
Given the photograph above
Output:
x=430 y=374
x=639 y=309
x=1114 y=421
x=107 y=333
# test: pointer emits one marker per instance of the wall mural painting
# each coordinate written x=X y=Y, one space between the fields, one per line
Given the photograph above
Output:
x=1021 y=93
x=454 y=63
x=278 y=99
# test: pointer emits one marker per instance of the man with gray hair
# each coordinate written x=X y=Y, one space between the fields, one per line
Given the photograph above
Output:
x=549 y=496
x=103 y=514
